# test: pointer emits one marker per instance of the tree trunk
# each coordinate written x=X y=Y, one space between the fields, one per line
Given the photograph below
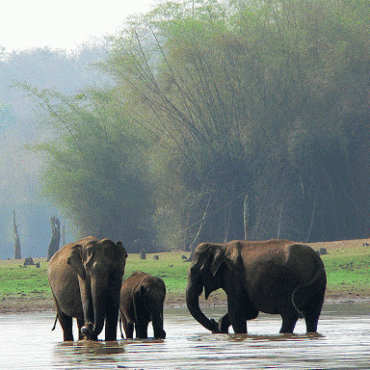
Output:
x=17 y=243
x=193 y=245
x=55 y=237
x=246 y=217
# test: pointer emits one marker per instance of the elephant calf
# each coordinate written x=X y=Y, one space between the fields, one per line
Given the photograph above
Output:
x=142 y=299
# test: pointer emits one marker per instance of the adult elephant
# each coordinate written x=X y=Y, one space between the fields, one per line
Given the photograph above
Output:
x=142 y=299
x=85 y=279
x=274 y=276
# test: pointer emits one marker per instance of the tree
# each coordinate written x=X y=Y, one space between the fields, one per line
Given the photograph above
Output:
x=96 y=173
x=212 y=101
x=262 y=98
x=19 y=126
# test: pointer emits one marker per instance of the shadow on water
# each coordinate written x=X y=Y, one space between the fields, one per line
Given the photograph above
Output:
x=90 y=354
x=86 y=352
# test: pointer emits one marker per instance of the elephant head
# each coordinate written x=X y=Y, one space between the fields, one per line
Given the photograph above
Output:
x=205 y=272
x=99 y=265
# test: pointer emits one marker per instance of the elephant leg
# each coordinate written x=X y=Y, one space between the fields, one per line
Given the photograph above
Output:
x=290 y=319
x=128 y=327
x=224 y=323
x=311 y=322
x=129 y=330
x=312 y=314
x=112 y=310
x=80 y=324
x=111 y=325
x=141 y=330
x=66 y=324
x=236 y=314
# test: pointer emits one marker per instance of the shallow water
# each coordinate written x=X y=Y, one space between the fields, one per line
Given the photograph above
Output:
x=343 y=342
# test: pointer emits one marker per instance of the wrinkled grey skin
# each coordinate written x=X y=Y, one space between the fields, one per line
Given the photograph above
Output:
x=85 y=278
x=142 y=299
x=274 y=276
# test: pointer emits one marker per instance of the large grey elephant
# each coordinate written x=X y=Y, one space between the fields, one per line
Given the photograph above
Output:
x=85 y=279
x=142 y=299
x=273 y=276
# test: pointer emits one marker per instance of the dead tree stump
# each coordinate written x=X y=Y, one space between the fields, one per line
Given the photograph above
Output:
x=55 y=237
x=17 y=242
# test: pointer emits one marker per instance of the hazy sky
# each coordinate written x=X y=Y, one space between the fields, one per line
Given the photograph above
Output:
x=63 y=24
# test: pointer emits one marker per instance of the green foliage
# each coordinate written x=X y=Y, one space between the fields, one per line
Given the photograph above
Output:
x=96 y=172
x=260 y=98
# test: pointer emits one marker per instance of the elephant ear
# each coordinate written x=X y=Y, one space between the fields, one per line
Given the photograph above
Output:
x=218 y=258
x=122 y=250
x=114 y=252
x=75 y=261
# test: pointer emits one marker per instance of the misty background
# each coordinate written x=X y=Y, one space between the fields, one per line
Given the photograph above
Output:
x=20 y=128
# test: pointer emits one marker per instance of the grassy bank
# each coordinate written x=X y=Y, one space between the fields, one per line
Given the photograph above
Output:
x=347 y=264
x=348 y=268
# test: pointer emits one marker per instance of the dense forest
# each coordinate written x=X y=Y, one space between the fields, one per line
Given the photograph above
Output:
x=221 y=120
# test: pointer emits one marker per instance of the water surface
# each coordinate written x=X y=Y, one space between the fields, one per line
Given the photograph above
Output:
x=343 y=342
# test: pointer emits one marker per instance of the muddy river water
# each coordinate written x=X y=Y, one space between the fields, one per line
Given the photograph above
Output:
x=343 y=342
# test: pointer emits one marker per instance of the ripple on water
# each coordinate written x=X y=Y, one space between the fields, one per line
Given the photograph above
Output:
x=343 y=343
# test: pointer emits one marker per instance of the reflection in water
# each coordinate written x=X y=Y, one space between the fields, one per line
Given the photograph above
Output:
x=343 y=343
x=257 y=337
x=85 y=352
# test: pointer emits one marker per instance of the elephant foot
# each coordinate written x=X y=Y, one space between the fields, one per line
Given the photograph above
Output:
x=87 y=332
x=223 y=324
x=214 y=326
x=162 y=335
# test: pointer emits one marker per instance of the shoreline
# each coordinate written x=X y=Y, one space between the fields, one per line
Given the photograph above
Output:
x=29 y=291
x=36 y=303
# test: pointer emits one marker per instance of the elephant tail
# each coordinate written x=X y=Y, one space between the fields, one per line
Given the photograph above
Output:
x=120 y=325
x=55 y=322
x=309 y=297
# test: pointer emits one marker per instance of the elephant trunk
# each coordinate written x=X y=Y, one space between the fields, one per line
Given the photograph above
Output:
x=93 y=328
x=98 y=297
x=192 y=302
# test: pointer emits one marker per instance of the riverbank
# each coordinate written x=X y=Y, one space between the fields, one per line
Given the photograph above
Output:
x=36 y=303
x=347 y=263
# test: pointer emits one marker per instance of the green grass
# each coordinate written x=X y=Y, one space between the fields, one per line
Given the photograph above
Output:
x=348 y=271
x=170 y=268
x=18 y=280
x=15 y=280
